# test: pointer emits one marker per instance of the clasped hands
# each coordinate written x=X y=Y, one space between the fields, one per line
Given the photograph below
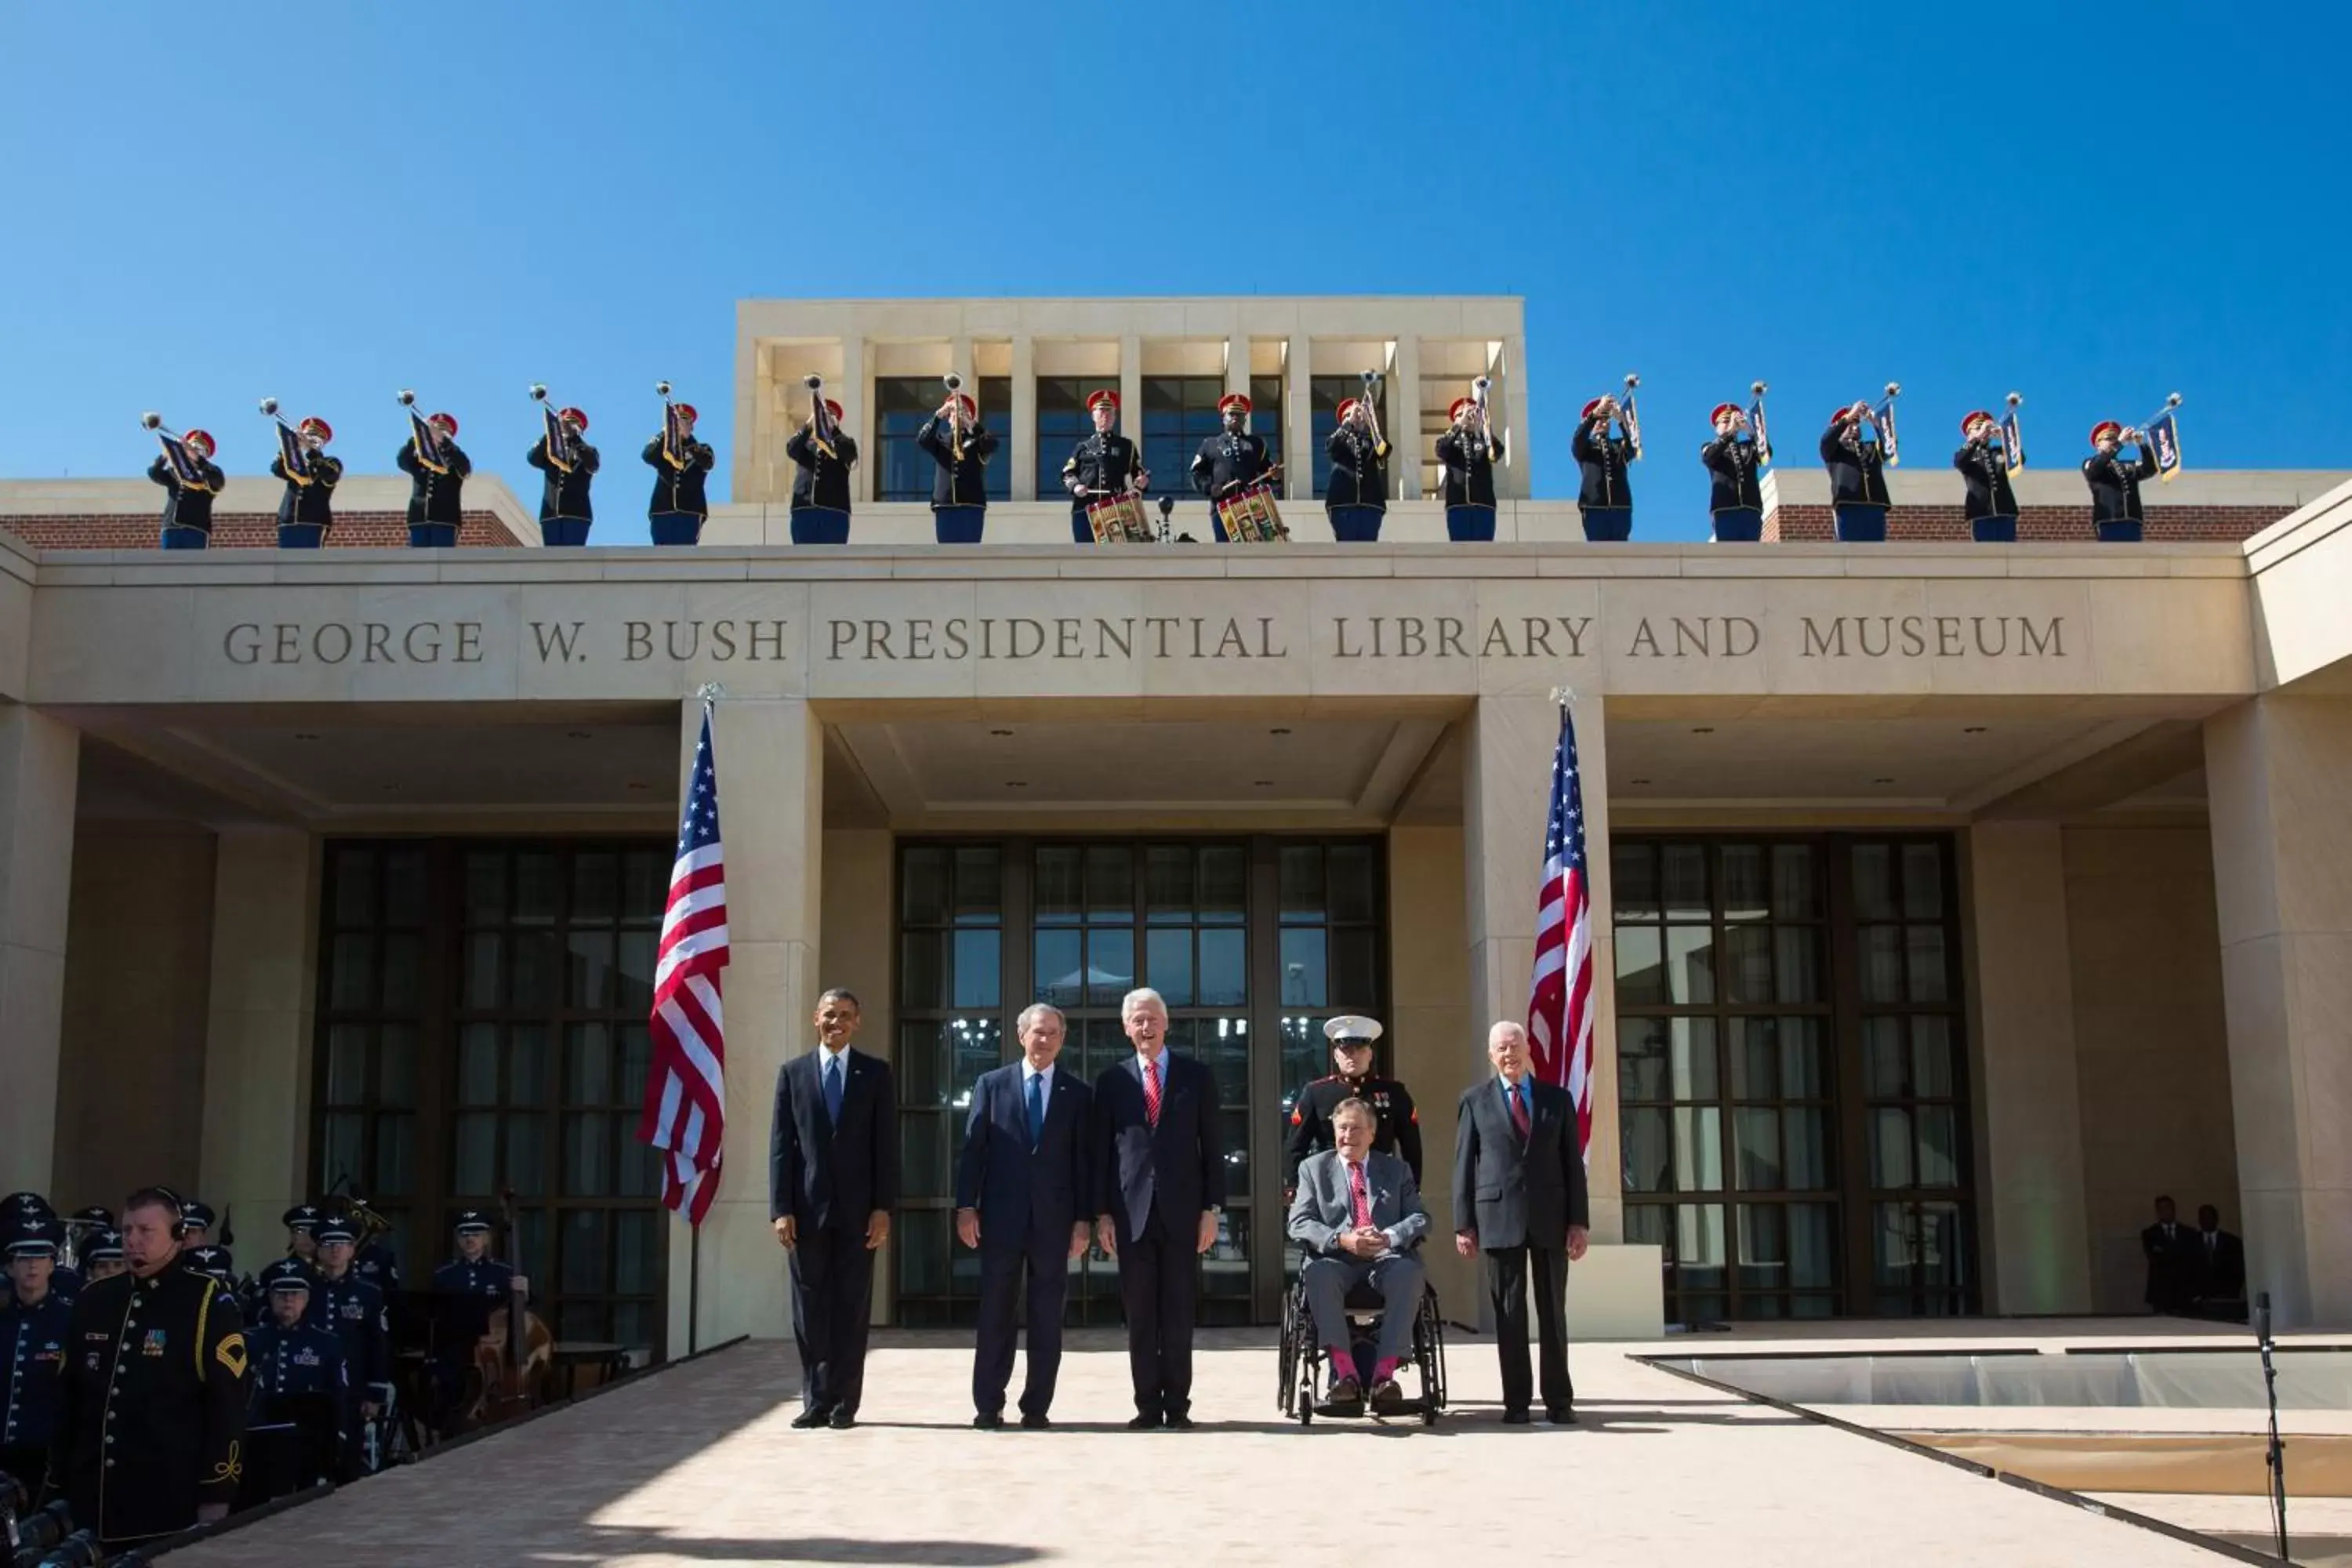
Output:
x=877 y=1230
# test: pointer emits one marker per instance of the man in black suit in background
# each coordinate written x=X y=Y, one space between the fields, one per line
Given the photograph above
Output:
x=833 y=1180
x=1519 y=1198
x=2219 y=1261
x=1160 y=1186
x=2171 y=1266
x=1022 y=1201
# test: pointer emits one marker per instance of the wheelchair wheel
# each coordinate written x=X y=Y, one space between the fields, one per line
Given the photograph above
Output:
x=1286 y=1358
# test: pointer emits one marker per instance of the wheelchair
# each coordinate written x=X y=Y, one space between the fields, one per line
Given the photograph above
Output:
x=1304 y=1371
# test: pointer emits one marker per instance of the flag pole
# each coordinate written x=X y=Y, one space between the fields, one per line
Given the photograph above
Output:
x=708 y=693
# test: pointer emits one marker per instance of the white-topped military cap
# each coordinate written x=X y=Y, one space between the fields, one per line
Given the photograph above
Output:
x=1352 y=1026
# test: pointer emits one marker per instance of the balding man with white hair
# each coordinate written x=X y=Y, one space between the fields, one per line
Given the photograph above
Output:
x=1159 y=1187
x=1520 y=1199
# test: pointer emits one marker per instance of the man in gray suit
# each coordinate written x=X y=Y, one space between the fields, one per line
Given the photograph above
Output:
x=1359 y=1217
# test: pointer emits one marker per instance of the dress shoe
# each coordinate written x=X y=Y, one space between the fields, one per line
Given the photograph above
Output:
x=1178 y=1421
x=1148 y=1422
x=1514 y=1418
x=843 y=1418
x=1345 y=1396
x=987 y=1421
x=1562 y=1416
x=1034 y=1421
x=1387 y=1397
x=815 y=1415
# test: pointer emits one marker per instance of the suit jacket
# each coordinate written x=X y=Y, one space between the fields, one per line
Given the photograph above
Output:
x=1325 y=1207
x=1512 y=1193
x=1181 y=1163
x=2222 y=1277
x=1023 y=1192
x=824 y=1174
x=2172 y=1264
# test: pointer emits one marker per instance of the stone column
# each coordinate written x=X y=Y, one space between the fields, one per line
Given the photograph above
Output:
x=1297 y=421
x=39 y=768
x=856 y=400
x=1511 y=383
x=2274 y=771
x=1506 y=792
x=1403 y=417
x=1237 y=363
x=1431 y=1034
x=258 y=1046
x=771 y=758
x=1023 y=444
x=1131 y=406
x=2029 y=1156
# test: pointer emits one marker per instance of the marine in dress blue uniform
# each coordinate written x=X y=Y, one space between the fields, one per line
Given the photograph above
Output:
x=1231 y=460
x=1735 y=482
x=32 y=1337
x=1605 y=490
x=307 y=511
x=961 y=446
x=565 y=512
x=436 y=494
x=1468 y=457
x=294 y=1363
x=1106 y=463
x=1396 y=1122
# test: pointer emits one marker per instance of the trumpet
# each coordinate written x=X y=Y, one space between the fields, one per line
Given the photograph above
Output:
x=1371 y=407
x=1478 y=390
x=1628 y=419
x=296 y=446
x=558 y=440
x=675 y=441
x=954 y=384
x=1756 y=421
x=187 y=466
x=1884 y=415
x=820 y=427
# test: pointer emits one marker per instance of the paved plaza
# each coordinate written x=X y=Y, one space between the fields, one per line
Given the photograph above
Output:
x=696 y=1466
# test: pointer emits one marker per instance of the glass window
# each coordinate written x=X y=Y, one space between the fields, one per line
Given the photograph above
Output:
x=1180 y=412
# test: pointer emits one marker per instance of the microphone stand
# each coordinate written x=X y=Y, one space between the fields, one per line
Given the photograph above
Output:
x=2275 y=1455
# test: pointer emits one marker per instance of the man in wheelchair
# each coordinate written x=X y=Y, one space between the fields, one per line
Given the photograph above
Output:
x=1358 y=1218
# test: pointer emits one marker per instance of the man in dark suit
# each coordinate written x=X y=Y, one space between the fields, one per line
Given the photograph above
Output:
x=833 y=1180
x=2170 y=1264
x=1519 y=1198
x=1159 y=1188
x=1022 y=1201
x=2219 y=1259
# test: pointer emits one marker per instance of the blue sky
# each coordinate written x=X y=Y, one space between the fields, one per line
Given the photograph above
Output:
x=208 y=204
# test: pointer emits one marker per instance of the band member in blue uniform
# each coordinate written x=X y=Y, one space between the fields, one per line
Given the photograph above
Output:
x=437 y=485
x=356 y=1312
x=294 y=1361
x=32 y=1342
x=213 y=1262
x=1231 y=460
x=823 y=453
x=188 y=503
x=1104 y=464
x=1735 y=489
x=307 y=510
x=1469 y=451
x=565 y=513
x=2114 y=481
x=196 y=1223
x=679 y=507
x=1984 y=470
x=101 y=1255
x=468 y=1289
x=1357 y=499
x=961 y=444
x=1605 y=494
x=1858 y=495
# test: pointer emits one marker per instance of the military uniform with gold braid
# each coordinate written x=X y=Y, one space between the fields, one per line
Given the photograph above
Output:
x=151 y=1421
x=1396 y=1126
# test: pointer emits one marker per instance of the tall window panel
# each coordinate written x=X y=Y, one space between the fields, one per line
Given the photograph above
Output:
x=1180 y=412
x=951 y=1030
x=1792 y=1097
x=372 y=1007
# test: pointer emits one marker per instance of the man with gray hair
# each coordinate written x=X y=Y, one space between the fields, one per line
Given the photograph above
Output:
x=1022 y=1201
x=1158 y=1187
x=1358 y=1218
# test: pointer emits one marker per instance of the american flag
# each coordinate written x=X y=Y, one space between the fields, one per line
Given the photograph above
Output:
x=1559 y=997
x=686 y=1086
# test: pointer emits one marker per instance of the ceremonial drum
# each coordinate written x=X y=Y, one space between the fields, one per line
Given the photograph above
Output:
x=1118 y=519
x=1249 y=516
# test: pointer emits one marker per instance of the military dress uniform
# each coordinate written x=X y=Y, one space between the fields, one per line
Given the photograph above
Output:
x=1859 y=499
x=820 y=501
x=307 y=510
x=1605 y=490
x=292 y=1366
x=474 y=1290
x=188 y=509
x=1105 y=461
x=565 y=513
x=1356 y=498
x=960 y=487
x=1992 y=507
x=32 y=1337
x=212 y=1262
x=1735 y=498
x=680 y=506
x=1469 y=459
x=1396 y=1128
x=1228 y=462
x=436 y=500
x=2115 y=516
x=151 y=1415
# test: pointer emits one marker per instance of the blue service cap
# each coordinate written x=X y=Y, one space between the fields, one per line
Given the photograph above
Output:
x=105 y=1246
x=472 y=1222
x=211 y=1262
x=335 y=1230
x=198 y=1216
x=39 y=1238
x=287 y=1274
x=302 y=1216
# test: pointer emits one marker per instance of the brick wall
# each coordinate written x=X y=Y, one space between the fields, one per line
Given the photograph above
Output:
x=241 y=531
x=2058 y=524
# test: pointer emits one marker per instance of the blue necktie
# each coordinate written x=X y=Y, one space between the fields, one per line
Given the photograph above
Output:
x=832 y=1092
x=1036 y=1107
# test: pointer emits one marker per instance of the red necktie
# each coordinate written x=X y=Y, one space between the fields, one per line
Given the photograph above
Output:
x=1152 y=1092
x=1519 y=1110
x=1362 y=1199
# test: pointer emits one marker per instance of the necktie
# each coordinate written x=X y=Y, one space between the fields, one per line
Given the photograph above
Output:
x=1037 y=1107
x=1361 y=1199
x=1519 y=1118
x=1151 y=1093
x=833 y=1091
